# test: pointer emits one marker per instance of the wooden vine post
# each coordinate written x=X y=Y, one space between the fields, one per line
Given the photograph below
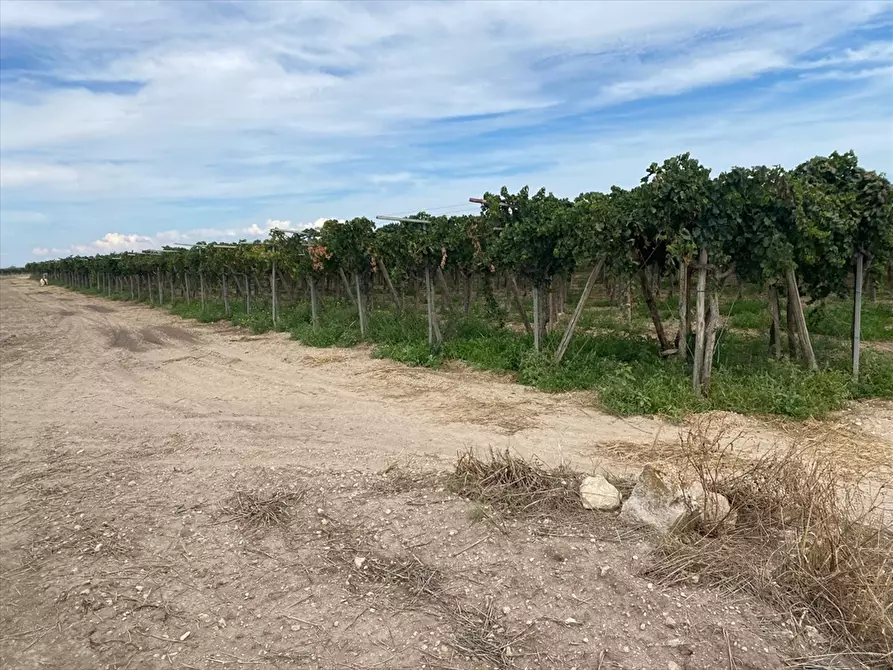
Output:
x=225 y=291
x=700 y=322
x=359 y=303
x=795 y=309
x=519 y=304
x=274 y=297
x=347 y=287
x=775 y=328
x=578 y=311
x=435 y=339
x=314 y=302
x=387 y=278
x=537 y=319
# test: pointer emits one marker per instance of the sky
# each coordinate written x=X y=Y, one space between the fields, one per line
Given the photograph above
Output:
x=130 y=125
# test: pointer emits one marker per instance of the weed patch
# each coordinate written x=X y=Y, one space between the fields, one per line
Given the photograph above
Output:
x=511 y=484
x=802 y=542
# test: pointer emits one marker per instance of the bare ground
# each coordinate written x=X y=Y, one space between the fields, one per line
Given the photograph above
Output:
x=131 y=441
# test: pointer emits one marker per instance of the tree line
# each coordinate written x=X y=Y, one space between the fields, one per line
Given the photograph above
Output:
x=801 y=235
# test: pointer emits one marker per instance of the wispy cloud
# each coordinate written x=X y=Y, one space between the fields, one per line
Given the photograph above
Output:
x=20 y=217
x=115 y=242
x=212 y=116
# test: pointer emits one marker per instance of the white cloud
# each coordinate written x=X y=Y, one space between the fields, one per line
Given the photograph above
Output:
x=393 y=178
x=25 y=175
x=50 y=251
x=682 y=77
x=44 y=14
x=351 y=108
x=116 y=242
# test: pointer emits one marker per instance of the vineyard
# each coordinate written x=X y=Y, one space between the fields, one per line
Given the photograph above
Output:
x=742 y=291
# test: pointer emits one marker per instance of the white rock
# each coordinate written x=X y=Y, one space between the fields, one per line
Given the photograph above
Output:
x=711 y=510
x=672 y=665
x=598 y=493
x=656 y=502
x=358 y=561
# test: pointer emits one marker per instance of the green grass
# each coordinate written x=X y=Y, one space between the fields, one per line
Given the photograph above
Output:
x=835 y=319
x=622 y=367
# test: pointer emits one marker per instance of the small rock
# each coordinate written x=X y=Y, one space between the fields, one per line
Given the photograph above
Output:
x=358 y=561
x=670 y=622
x=600 y=494
x=813 y=634
x=710 y=510
x=655 y=502
x=185 y=635
x=673 y=665
x=605 y=569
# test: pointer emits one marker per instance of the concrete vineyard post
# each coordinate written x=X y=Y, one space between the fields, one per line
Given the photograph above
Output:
x=857 y=315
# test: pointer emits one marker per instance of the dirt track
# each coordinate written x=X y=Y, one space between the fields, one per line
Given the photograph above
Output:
x=125 y=430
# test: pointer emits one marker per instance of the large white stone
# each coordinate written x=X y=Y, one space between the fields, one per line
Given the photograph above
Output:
x=598 y=493
x=656 y=501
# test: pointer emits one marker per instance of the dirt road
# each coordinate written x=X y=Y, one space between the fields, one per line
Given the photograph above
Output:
x=126 y=433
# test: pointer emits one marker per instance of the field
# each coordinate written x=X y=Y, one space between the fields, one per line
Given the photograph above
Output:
x=188 y=495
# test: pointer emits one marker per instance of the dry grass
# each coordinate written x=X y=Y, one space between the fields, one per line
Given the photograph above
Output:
x=804 y=541
x=259 y=511
x=406 y=572
x=398 y=479
x=480 y=635
x=511 y=484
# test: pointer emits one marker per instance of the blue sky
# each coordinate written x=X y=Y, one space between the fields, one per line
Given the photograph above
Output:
x=134 y=124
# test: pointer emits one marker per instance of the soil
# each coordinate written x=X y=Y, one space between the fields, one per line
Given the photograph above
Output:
x=131 y=441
